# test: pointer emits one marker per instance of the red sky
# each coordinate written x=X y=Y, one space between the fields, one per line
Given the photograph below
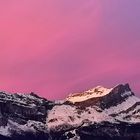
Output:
x=57 y=47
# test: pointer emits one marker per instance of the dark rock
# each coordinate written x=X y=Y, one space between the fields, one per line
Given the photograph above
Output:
x=21 y=109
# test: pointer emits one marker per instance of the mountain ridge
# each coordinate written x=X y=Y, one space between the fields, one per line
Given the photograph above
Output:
x=110 y=111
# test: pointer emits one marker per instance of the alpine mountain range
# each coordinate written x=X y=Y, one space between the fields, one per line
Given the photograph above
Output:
x=96 y=114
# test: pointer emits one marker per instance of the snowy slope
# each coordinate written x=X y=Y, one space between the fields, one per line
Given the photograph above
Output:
x=75 y=115
x=28 y=113
x=70 y=116
x=98 y=91
x=22 y=113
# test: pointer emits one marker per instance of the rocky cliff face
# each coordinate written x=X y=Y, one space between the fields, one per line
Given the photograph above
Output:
x=98 y=113
x=23 y=114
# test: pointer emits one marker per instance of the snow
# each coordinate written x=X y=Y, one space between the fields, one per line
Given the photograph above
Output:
x=21 y=99
x=76 y=136
x=126 y=117
x=126 y=94
x=4 y=130
x=73 y=117
x=61 y=114
x=92 y=93
x=70 y=116
x=64 y=116
x=28 y=127
x=131 y=100
x=137 y=110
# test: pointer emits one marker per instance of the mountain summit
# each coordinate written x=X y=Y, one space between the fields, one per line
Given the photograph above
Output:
x=96 y=92
x=120 y=91
x=98 y=113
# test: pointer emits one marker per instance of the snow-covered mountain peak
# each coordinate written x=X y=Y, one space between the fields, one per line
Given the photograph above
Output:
x=98 y=111
x=96 y=92
x=100 y=92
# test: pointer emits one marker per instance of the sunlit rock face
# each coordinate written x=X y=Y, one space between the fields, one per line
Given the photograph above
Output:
x=99 y=113
x=101 y=96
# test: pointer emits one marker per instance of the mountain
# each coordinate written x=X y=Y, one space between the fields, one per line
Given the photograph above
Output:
x=95 y=114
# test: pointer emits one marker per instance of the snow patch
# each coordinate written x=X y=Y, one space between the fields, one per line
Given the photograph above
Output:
x=70 y=116
x=131 y=100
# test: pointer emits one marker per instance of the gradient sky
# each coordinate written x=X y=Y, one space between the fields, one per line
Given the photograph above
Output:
x=55 y=47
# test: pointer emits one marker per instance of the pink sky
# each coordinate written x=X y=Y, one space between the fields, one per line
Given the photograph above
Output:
x=57 y=47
